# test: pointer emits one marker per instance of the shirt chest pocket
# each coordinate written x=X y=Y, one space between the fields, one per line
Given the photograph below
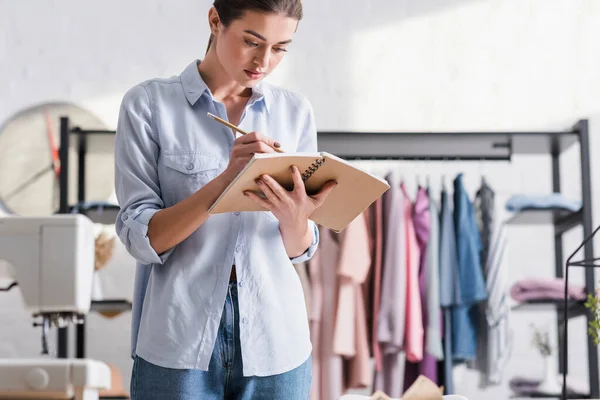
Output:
x=185 y=172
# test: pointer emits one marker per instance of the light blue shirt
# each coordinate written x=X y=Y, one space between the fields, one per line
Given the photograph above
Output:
x=166 y=149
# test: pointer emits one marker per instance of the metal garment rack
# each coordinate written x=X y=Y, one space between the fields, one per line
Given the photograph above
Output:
x=494 y=146
x=445 y=146
x=83 y=139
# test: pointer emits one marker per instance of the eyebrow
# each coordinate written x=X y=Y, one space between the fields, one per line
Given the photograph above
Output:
x=261 y=37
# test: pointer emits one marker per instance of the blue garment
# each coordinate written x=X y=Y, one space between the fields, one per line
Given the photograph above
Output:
x=166 y=149
x=465 y=317
x=224 y=379
x=520 y=202
x=449 y=283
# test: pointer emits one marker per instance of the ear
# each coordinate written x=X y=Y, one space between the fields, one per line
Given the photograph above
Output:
x=214 y=21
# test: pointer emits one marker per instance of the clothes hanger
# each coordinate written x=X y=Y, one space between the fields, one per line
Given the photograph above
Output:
x=482 y=172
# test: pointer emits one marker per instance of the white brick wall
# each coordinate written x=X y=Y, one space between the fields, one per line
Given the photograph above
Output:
x=366 y=65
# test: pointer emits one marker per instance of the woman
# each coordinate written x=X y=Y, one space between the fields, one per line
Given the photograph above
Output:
x=218 y=310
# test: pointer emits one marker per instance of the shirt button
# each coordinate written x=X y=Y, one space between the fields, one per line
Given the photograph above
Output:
x=125 y=217
x=238 y=248
x=244 y=320
x=240 y=284
x=189 y=167
x=237 y=213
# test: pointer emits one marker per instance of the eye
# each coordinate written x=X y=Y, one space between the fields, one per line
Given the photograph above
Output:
x=280 y=50
x=250 y=43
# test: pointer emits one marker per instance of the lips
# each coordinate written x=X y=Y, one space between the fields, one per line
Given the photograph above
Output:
x=253 y=74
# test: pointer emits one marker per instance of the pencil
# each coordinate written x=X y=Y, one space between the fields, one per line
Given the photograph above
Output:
x=235 y=128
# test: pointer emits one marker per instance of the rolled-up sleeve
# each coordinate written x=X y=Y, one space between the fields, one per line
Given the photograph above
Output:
x=308 y=143
x=136 y=175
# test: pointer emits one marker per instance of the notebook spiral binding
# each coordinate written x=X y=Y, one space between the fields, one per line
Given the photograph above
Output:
x=312 y=169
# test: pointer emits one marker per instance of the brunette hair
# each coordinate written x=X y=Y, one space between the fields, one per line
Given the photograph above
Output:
x=230 y=10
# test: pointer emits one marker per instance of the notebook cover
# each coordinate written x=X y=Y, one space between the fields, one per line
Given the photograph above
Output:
x=277 y=165
x=355 y=192
x=356 y=189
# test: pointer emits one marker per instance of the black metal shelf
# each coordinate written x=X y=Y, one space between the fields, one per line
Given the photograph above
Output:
x=113 y=305
x=444 y=145
x=563 y=220
x=549 y=396
x=576 y=308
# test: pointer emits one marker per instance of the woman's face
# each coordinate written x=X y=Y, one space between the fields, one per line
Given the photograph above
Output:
x=252 y=46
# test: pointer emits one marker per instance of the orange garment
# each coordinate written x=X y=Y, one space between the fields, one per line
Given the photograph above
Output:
x=350 y=338
x=414 y=311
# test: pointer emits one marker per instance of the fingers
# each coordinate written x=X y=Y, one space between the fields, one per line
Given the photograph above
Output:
x=273 y=187
x=257 y=137
x=297 y=179
x=266 y=189
x=320 y=197
x=254 y=147
x=266 y=204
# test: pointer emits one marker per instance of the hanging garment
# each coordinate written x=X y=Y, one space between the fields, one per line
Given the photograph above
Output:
x=392 y=312
x=377 y=225
x=327 y=372
x=422 y=226
x=338 y=321
x=472 y=285
x=414 y=311
x=350 y=336
x=433 y=333
x=484 y=211
x=500 y=337
x=449 y=283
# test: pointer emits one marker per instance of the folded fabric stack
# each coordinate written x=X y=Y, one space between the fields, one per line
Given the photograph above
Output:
x=525 y=386
x=520 y=202
x=547 y=288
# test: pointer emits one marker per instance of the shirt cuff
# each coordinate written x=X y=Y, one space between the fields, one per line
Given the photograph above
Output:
x=136 y=234
x=307 y=255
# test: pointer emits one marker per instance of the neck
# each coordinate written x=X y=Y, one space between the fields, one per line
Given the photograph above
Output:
x=218 y=80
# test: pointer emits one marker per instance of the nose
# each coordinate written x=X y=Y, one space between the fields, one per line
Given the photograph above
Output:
x=262 y=59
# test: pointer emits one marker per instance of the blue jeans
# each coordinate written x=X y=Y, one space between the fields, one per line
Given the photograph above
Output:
x=224 y=379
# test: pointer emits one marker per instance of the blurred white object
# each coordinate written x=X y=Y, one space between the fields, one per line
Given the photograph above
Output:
x=40 y=379
x=52 y=265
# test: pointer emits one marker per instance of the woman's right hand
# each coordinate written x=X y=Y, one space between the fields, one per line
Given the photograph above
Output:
x=244 y=149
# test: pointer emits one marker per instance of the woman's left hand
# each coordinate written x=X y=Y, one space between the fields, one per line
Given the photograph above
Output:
x=291 y=208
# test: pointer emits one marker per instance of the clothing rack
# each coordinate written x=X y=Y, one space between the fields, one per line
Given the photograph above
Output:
x=499 y=146
x=442 y=146
x=84 y=140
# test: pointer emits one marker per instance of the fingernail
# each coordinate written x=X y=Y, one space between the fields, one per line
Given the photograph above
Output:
x=246 y=194
x=258 y=182
x=276 y=144
x=292 y=168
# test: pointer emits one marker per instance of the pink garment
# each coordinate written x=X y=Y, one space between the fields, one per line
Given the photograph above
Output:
x=546 y=288
x=414 y=311
x=327 y=371
x=350 y=337
x=422 y=223
x=390 y=329
x=338 y=320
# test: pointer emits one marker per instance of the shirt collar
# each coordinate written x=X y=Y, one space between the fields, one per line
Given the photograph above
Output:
x=194 y=87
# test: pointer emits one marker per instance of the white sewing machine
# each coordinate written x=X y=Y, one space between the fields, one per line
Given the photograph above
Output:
x=52 y=261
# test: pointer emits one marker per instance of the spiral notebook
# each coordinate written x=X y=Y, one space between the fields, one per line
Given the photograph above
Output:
x=356 y=189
